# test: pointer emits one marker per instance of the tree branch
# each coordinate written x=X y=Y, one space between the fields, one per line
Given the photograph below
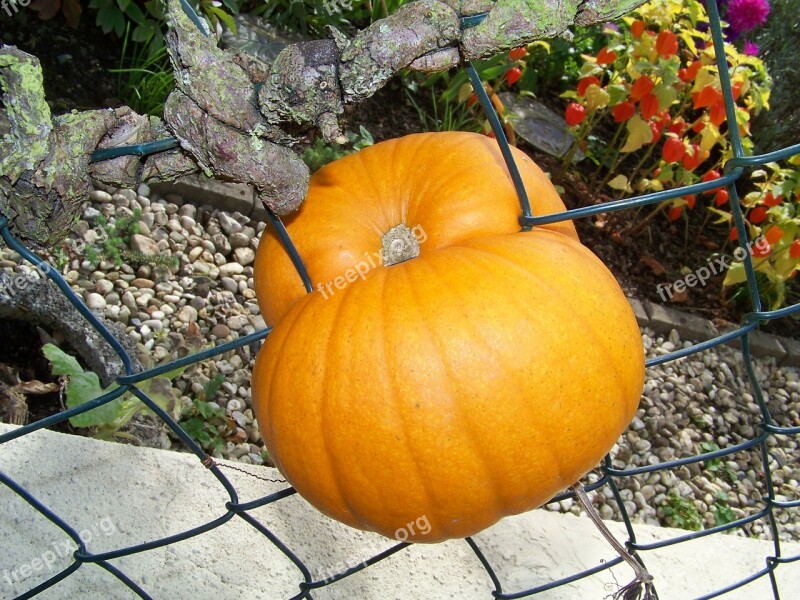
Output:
x=236 y=117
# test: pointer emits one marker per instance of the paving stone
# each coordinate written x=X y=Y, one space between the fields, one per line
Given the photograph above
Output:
x=690 y=327
x=230 y=197
x=638 y=309
x=761 y=344
x=792 y=347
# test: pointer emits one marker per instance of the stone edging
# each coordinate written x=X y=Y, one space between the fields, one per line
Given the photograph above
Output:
x=237 y=197
x=661 y=319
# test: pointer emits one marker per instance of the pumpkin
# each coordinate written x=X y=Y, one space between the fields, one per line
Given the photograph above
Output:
x=469 y=371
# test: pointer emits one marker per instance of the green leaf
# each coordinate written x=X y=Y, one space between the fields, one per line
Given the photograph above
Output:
x=83 y=388
x=666 y=95
x=135 y=14
x=232 y=5
x=61 y=362
x=529 y=81
x=222 y=16
x=154 y=9
x=143 y=32
x=616 y=94
x=119 y=23
x=105 y=19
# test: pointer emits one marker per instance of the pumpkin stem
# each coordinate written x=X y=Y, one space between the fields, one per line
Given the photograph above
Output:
x=399 y=244
x=643 y=582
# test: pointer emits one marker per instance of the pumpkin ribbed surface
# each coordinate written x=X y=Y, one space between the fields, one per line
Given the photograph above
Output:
x=474 y=381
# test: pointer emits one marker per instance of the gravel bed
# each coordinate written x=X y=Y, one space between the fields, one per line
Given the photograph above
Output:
x=688 y=407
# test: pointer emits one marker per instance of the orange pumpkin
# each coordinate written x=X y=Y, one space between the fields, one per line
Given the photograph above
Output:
x=470 y=382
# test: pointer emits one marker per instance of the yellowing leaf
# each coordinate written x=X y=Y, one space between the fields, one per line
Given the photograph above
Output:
x=736 y=274
x=709 y=137
x=620 y=182
x=704 y=78
x=688 y=39
x=639 y=134
x=596 y=97
x=464 y=92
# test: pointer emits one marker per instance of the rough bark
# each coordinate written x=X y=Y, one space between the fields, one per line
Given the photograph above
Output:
x=41 y=303
x=236 y=117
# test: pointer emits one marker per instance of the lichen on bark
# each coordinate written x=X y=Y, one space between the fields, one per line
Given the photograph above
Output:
x=228 y=129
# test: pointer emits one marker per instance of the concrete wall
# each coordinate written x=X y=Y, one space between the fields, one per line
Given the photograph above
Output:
x=121 y=495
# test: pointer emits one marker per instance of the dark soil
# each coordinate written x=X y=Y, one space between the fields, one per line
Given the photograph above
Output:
x=76 y=63
x=644 y=251
x=21 y=355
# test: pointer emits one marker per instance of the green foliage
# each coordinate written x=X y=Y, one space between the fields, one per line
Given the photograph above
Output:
x=443 y=113
x=555 y=65
x=312 y=17
x=716 y=466
x=144 y=20
x=445 y=101
x=145 y=76
x=204 y=420
x=107 y=420
x=682 y=513
x=723 y=513
x=116 y=237
x=322 y=153
x=773 y=211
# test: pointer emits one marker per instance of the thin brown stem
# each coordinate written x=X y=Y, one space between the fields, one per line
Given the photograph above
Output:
x=648 y=153
x=643 y=582
x=611 y=145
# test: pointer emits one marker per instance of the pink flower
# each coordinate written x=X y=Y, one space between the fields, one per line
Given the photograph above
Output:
x=750 y=48
x=744 y=15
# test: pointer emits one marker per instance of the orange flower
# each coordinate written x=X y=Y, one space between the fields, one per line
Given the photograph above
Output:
x=641 y=87
x=708 y=96
x=774 y=235
x=666 y=44
x=649 y=107
x=674 y=213
x=757 y=215
x=623 y=111
x=517 y=53
x=606 y=57
x=585 y=83
x=717 y=114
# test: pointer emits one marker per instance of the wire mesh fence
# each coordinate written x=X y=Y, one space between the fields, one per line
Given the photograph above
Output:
x=609 y=476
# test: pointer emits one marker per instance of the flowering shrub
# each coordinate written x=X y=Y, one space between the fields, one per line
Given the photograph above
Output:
x=657 y=84
x=657 y=81
x=772 y=212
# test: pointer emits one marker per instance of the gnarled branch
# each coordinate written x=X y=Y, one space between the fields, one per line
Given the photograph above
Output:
x=236 y=117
